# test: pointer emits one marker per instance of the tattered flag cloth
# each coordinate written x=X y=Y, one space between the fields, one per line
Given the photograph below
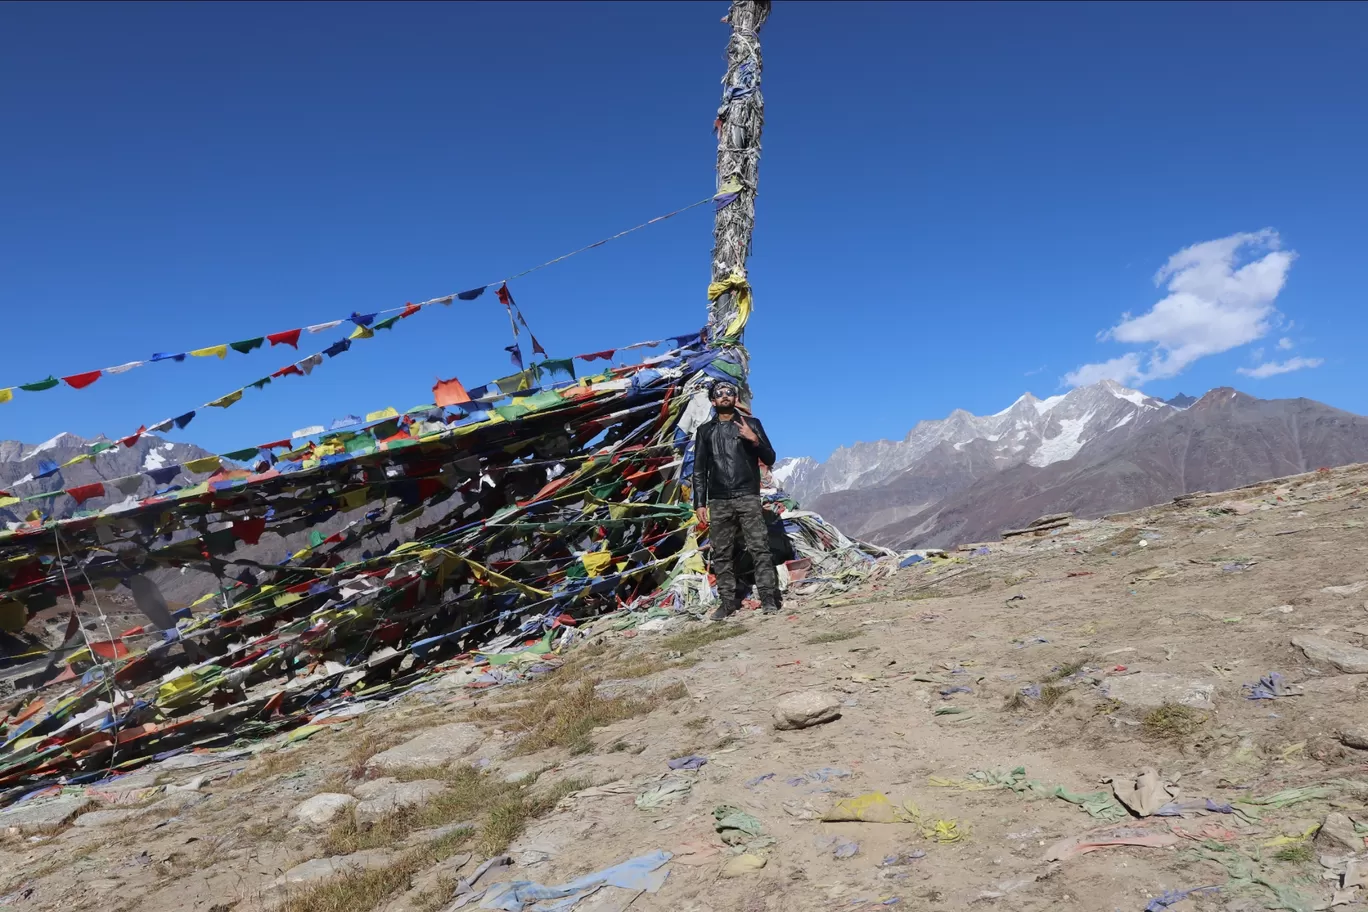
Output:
x=555 y=505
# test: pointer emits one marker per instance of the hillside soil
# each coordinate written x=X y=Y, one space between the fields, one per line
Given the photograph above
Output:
x=1089 y=656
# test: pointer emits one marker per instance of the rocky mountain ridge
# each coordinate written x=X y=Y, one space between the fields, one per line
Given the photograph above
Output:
x=1094 y=450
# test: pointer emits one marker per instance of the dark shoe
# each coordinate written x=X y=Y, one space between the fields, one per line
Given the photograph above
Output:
x=721 y=613
x=770 y=606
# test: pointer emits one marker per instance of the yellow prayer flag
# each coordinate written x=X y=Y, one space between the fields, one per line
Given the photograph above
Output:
x=6 y=501
x=213 y=351
x=361 y=332
x=225 y=401
x=597 y=561
x=6 y=394
x=82 y=458
x=207 y=464
x=354 y=499
x=390 y=412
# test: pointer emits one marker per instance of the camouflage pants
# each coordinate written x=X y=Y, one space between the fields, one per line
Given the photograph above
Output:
x=744 y=516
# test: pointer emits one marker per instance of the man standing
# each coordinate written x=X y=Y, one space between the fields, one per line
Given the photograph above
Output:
x=728 y=451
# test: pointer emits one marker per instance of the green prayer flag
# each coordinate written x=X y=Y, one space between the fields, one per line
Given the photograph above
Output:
x=386 y=324
x=511 y=412
x=242 y=454
x=260 y=384
x=316 y=538
x=41 y=385
x=563 y=366
x=247 y=345
x=100 y=447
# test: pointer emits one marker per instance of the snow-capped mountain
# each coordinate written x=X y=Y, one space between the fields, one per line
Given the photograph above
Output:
x=1031 y=430
x=1097 y=449
x=24 y=469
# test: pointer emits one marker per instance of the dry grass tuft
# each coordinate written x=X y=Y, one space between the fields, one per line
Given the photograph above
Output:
x=1171 y=721
x=1051 y=694
x=365 y=890
x=1067 y=670
x=564 y=713
x=831 y=636
x=700 y=635
x=471 y=795
x=1297 y=853
x=266 y=766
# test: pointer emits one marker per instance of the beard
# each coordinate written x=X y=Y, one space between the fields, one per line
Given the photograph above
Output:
x=725 y=409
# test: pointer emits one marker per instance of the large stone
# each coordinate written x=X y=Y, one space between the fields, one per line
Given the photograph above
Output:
x=1357 y=738
x=107 y=817
x=321 y=810
x=323 y=868
x=1346 y=658
x=1152 y=689
x=434 y=747
x=42 y=815
x=1337 y=833
x=374 y=788
x=404 y=795
x=805 y=709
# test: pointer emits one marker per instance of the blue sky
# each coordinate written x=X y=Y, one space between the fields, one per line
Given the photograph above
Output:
x=957 y=202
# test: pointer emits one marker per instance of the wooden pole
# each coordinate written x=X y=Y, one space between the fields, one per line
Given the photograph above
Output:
x=739 y=122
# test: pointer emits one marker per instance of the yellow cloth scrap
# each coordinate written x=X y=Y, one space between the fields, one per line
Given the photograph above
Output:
x=871 y=807
x=225 y=401
x=213 y=351
x=13 y=616
x=6 y=501
x=735 y=283
x=6 y=394
x=1292 y=840
x=944 y=831
x=964 y=785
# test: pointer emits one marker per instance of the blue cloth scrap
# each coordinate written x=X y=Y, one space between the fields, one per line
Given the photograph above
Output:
x=909 y=561
x=687 y=763
x=1170 y=897
x=640 y=873
x=1269 y=687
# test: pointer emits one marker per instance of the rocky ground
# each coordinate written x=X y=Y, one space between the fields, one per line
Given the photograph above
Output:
x=992 y=722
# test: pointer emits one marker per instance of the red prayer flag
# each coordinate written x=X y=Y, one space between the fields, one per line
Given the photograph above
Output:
x=287 y=371
x=536 y=346
x=289 y=337
x=275 y=445
x=449 y=392
x=505 y=298
x=81 y=381
x=249 y=530
x=109 y=649
x=606 y=355
x=82 y=493
x=133 y=438
x=409 y=310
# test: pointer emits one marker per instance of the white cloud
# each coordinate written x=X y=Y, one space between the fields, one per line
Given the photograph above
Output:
x=1285 y=344
x=1220 y=296
x=1273 y=368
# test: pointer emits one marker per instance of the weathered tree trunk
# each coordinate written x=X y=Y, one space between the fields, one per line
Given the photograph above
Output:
x=739 y=121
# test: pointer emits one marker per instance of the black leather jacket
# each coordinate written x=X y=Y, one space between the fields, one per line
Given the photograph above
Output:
x=725 y=465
